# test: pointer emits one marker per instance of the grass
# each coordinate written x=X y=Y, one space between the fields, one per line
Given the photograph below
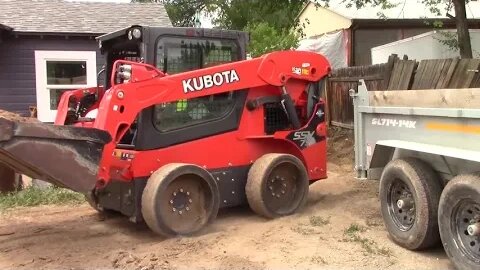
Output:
x=307 y=228
x=352 y=234
x=318 y=221
x=35 y=196
x=354 y=228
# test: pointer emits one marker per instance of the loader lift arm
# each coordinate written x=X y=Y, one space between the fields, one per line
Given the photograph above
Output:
x=149 y=86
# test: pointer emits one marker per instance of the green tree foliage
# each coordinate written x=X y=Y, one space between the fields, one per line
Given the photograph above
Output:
x=270 y=22
x=266 y=38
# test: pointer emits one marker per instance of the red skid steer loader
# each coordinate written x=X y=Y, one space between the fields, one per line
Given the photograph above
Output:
x=173 y=136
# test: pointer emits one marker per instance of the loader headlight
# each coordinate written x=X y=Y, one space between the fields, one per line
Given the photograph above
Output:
x=134 y=33
x=125 y=72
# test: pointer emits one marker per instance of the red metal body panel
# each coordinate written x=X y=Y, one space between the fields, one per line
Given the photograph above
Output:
x=262 y=76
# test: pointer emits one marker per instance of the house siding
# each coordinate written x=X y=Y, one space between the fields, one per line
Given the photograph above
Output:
x=17 y=66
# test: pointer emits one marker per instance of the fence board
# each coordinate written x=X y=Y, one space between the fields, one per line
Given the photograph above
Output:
x=418 y=75
x=401 y=75
x=339 y=102
x=396 y=75
x=464 y=74
x=448 y=76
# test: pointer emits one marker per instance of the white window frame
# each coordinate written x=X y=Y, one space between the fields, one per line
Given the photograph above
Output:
x=44 y=113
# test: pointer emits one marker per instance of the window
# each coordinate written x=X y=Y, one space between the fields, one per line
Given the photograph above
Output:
x=176 y=55
x=182 y=113
x=60 y=71
x=64 y=73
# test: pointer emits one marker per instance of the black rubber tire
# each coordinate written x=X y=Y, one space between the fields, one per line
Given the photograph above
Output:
x=426 y=187
x=457 y=189
x=256 y=187
x=155 y=200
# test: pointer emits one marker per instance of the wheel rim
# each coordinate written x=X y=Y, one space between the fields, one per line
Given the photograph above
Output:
x=465 y=225
x=186 y=204
x=282 y=190
x=401 y=205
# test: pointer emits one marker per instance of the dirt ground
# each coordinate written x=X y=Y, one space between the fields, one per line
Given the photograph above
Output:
x=340 y=228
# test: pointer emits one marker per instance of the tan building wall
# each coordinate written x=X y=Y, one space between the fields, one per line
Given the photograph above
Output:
x=321 y=20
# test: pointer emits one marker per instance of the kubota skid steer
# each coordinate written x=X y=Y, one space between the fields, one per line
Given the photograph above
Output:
x=172 y=149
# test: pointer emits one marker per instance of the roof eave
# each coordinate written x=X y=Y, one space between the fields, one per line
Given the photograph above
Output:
x=75 y=34
x=5 y=28
x=405 y=22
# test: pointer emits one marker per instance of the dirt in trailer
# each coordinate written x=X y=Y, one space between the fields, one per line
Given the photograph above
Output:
x=340 y=228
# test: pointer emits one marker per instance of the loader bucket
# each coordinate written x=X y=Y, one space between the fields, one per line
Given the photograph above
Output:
x=66 y=156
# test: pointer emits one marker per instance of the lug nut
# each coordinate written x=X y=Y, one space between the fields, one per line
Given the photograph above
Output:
x=180 y=212
x=173 y=209
x=187 y=208
x=174 y=193
x=405 y=203
x=190 y=200
x=283 y=191
x=181 y=190
x=474 y=229
x=284 y=185
x=270 y=187
x=171 y=201
x=188 y=193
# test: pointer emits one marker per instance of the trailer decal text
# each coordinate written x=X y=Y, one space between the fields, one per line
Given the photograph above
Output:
x=388 y=122
x=207 y=81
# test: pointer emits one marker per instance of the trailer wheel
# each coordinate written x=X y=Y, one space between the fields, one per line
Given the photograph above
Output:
x=277 y=185
x=180 y=199
x=459 y=220
x=409 y=195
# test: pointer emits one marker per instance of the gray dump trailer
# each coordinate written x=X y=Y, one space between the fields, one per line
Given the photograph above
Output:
x=424 y=146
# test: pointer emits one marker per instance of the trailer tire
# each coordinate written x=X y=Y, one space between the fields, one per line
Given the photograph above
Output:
x=277 y=185
x=459 y=208
x=180 y=199
x=409 y=195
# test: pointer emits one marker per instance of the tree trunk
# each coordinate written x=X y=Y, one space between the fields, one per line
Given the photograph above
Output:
x=464 y=42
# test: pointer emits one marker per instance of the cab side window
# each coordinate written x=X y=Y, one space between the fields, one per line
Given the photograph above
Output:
x=176 y=55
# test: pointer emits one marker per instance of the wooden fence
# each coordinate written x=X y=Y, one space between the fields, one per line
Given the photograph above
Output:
x=396 y=74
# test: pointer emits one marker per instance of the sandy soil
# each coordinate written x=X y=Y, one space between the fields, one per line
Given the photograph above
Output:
x=53 y=237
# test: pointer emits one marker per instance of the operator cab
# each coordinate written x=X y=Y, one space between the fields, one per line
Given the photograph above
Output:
x=173 y=50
